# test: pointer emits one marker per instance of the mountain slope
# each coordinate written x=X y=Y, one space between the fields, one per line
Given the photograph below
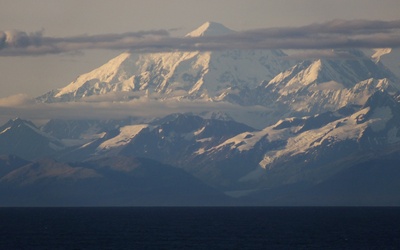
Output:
x=321 y=85
x=307 y=149
x=389 y=58
x=22 y=138
x=173 y=139
x=9 y=163
x=210 y=29
x=315 y=154
x=370 y=182
x=115 y=181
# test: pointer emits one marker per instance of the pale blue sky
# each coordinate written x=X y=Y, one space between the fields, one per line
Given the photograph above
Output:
x=37 y=75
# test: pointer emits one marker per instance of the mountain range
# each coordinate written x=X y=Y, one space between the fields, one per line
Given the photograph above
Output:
x=327 y=132
x=199 y=74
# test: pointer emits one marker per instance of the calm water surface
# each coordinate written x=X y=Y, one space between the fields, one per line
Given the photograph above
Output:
x=200 y=228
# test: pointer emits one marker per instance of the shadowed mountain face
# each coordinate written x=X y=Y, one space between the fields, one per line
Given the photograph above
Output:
x=111 y=181
x=8 y=163
x=372 y=182
x=23 y=138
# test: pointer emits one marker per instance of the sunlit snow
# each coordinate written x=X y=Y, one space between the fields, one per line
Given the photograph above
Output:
x=125 y=136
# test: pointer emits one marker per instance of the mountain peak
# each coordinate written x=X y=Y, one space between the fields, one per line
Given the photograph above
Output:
x=210 y=29
x=17 y=121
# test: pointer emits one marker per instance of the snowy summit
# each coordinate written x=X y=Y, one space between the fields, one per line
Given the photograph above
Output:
x=206 y=75
x=210 y=29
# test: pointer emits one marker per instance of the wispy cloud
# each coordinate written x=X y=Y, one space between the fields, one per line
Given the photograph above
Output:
x=20 y=43
x=328 y=35
x=100 y=108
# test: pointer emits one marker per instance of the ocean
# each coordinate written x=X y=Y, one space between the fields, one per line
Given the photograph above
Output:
x=200 y=228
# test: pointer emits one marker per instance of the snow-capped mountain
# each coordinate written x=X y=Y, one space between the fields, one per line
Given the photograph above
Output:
x=311 y=149
x=321 y=85
x=242 y=77
x=197 y=74
x=175 y=139
x=78 y=132
x=233 y=156
x=210 y=29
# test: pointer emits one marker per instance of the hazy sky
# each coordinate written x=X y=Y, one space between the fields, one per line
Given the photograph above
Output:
x=35 y=75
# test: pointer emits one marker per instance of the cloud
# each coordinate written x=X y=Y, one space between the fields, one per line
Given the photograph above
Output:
x=336 y=54
x=20 y=43
x=16 y=100
x=328 y=35
x=27 y=108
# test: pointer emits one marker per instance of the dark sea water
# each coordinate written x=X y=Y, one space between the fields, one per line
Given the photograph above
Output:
x=200 y=228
